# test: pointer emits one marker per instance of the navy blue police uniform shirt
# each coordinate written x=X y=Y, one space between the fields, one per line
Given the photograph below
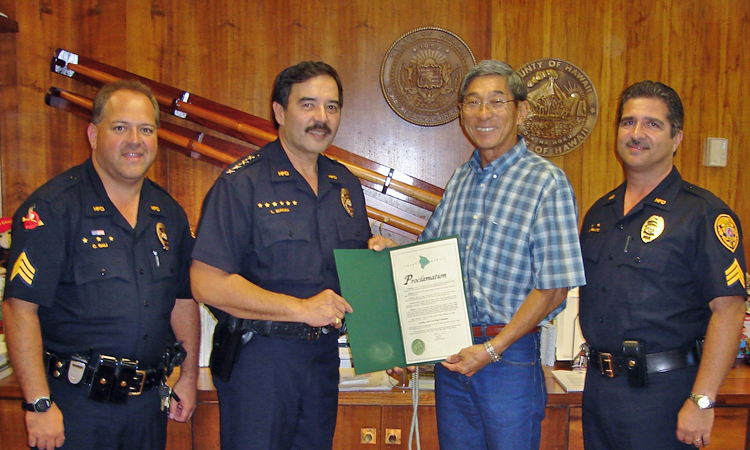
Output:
x=99 y=283
x=652 y=274
x=262 y=220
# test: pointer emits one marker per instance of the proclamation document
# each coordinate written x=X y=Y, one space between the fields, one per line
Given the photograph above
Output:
x=409 y=304
x=431 y=302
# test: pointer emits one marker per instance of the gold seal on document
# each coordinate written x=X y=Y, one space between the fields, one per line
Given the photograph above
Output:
x=563 y=106
x=726 y=231
x=422 y=73
x=652 y=228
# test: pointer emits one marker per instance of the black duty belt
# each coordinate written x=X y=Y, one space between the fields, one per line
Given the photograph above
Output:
x=119 y=375
x=612 y=365
x=288 y=329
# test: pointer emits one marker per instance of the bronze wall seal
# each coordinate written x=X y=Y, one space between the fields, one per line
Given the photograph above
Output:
x=563 y=106
x=422 y=73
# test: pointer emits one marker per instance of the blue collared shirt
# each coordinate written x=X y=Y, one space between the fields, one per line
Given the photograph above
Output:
x=517 y=224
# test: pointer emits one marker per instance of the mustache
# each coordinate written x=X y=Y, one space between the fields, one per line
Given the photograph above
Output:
x=319 y=126
x=637 y=143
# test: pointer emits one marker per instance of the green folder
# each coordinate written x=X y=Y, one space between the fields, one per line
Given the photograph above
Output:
x=374 y=328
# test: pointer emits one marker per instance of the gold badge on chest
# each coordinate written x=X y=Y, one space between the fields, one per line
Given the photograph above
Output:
x=652 y=228
x=346 y=201
x=726 y=231
x=161 y=233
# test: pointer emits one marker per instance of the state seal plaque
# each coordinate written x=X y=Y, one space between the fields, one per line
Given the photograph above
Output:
x=563 y=106
x=422 y=73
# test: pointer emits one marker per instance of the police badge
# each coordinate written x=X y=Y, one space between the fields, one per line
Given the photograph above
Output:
x=161 y=233
x=346 y=201
x=652 y=228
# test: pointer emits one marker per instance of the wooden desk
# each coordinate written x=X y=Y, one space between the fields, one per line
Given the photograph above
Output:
x=384 y=418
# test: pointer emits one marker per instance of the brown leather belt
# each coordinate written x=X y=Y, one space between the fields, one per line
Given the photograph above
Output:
x=493 y=330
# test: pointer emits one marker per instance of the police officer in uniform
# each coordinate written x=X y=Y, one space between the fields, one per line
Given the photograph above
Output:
x=98 y=271
x=264 y=254
x=665 y=267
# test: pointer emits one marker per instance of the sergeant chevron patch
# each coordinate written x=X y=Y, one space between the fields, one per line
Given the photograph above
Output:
x=734 y=274
x=24 y=269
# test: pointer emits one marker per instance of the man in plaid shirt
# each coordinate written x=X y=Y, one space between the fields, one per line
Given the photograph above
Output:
x=515 y=215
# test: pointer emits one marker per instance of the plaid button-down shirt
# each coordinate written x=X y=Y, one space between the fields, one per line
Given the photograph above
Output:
x=517 y=225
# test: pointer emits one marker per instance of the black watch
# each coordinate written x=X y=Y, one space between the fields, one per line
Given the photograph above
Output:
x=41 y=405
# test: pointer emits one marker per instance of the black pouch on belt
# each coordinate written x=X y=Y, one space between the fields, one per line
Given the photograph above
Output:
x=104 y=379
x=635 y=359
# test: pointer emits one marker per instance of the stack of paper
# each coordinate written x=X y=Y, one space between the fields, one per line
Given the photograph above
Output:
x=373 y=381
x=5 y=369
x=571 y=380
x=345 y=352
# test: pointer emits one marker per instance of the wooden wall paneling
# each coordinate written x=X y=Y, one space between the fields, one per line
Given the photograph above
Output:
x=231 y=51
x=9 y=127
x=30 y=132
x=737 y=110
x=369 y=126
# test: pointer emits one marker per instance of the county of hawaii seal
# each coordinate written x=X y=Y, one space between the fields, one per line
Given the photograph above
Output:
x=422 y=73
x=563 y=106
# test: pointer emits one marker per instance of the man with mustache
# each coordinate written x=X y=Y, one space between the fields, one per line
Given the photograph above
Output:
x=98 y=291
x=264 y=255
x=665 y=267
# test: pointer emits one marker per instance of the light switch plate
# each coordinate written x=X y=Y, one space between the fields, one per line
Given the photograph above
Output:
x=715 y=152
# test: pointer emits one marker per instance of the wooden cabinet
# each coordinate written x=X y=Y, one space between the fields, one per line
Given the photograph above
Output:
x=381 y=420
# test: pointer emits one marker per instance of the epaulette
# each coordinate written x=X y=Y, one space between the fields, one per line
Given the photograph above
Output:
x=59 y=184
x=244 y=162
x=337 y=162
x=710 y=198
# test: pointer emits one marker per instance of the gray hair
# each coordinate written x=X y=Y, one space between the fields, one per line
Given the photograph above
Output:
x=499 y=68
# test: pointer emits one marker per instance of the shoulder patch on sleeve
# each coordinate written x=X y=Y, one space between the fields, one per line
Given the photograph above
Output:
x=726 y=231
x=244 y=162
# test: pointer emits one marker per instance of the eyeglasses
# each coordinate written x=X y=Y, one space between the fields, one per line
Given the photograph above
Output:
x=495 y=105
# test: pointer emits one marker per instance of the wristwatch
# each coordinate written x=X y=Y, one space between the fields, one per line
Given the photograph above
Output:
x=702 y=401
x=42 y=404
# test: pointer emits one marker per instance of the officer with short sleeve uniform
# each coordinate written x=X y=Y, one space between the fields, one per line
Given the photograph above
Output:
x=264 y=262
x=97 y=290
x=83 y=265
x=664 y=269
x=286 y=246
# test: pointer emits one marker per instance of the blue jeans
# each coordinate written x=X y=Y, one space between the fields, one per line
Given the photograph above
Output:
x=500 y=407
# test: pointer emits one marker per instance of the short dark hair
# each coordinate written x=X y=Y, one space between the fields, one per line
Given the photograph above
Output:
x=502 y=69
x=104 y=94
x=299 y=73
x=658 y=91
